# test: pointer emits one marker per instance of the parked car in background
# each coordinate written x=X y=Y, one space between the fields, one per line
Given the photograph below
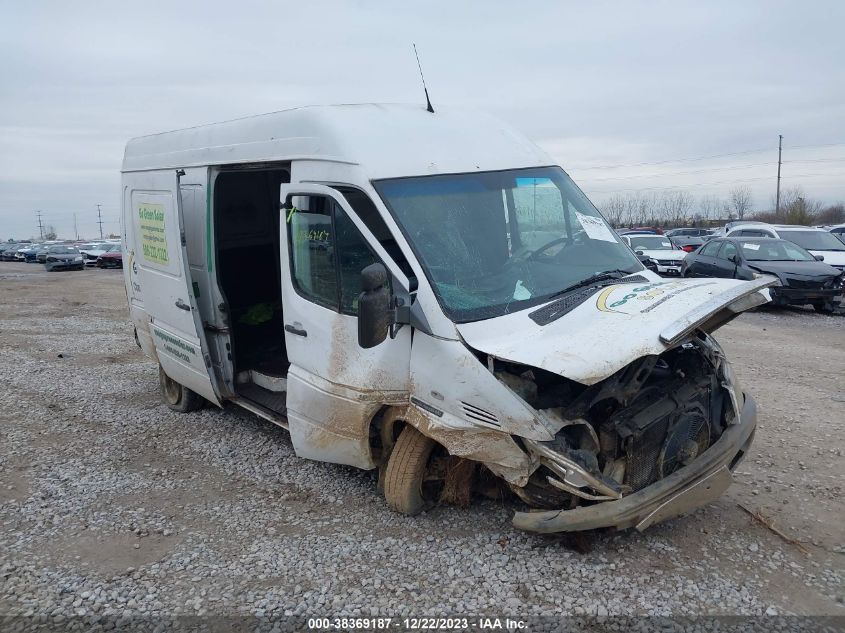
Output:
x=688 y=232
x=111 y=259
x=687 y=243
x=724 y=230
x=8 y=251
x=817 y=241
x=29 y=253
x=839 y=231
x=41 y=253
x=92 y=254
x=659 y=249
x=652 y=230
x=803 y=278
x=61 y=257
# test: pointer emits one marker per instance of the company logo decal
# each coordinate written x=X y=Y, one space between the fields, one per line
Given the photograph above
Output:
x=661 y=290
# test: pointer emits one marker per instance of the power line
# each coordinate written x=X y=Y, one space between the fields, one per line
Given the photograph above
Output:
x=678 y=173
x=699 y=158
x=100 y=220
x=817 y=145
x=708 y=170
x=674 y=160
x=40 y=224
x=816 y=160
x=708 y=184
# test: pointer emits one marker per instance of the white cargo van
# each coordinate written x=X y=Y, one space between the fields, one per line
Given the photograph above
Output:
x=429 y=294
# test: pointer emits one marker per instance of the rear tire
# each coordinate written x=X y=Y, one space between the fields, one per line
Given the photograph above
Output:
x=405 y=472
x=178 y=397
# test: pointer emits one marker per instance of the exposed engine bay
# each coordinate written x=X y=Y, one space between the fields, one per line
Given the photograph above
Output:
x=626 y=432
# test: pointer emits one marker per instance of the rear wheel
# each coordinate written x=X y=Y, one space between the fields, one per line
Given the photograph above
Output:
x=404 y=477
x=176 y=396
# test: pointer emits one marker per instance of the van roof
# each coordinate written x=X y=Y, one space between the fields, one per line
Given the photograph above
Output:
x=387 y=140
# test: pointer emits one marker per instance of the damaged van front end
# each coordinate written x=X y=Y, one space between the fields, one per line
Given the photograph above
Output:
x=592 y=387
x=653 y=439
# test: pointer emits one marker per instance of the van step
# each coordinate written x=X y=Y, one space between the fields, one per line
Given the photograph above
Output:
x=278 y=384
x=272 y=400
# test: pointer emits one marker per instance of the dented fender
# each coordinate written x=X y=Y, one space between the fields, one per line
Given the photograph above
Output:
x=495 y=449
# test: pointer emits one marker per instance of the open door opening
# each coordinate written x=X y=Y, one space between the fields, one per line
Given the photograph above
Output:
x=246 y=221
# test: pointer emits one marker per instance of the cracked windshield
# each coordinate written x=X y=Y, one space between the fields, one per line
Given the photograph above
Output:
x=498 y=242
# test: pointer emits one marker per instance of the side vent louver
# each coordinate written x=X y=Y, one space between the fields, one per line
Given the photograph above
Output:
x=479 y=415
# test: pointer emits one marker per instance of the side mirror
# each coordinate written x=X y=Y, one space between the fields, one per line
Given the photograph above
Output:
x=638 y=252
x=374 y=310
x=734 y=259
x=819 y=258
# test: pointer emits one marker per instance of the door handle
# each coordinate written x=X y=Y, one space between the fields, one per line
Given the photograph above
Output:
x=182 y=305
x=293 y=329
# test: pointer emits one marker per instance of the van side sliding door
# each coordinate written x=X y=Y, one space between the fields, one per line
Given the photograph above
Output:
x=161 y=281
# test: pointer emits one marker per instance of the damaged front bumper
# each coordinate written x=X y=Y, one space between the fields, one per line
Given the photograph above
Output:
x=690 y=487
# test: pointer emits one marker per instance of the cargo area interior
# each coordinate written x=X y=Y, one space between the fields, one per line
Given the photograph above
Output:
x=246 y=226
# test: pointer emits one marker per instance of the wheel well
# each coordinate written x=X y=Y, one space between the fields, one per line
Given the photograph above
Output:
x=385 y=428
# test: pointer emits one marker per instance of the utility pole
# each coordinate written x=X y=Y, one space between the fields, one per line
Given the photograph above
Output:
x=75 y=229
x=100 y=219
x=780 y=152
x=40 y=224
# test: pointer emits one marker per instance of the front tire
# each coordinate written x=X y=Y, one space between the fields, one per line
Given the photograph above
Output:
x=176 y=396
x=823 y=308
x=405 y=472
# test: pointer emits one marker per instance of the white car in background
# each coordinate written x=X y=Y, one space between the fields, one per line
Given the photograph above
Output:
x=666 y=257
x=819 y=242
x=90 y=255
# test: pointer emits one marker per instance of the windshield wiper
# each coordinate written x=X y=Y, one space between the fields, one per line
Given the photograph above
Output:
x=605 y=275
x=562 y=305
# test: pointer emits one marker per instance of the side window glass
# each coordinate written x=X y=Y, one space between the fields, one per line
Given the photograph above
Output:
x=728 y=251
x=353 y=256
x=311 y=242
x=328 y=253
x=369 y=214
x=710 y=249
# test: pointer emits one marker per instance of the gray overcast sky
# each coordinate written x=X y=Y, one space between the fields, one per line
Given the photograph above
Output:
x=596 y=84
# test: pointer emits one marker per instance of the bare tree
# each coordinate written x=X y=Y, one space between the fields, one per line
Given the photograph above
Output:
x=801 y=210
x=50 y=232
x=832 y=214
x=676 y=207
x=614 y=210
x=740 y=201
x=709 y=207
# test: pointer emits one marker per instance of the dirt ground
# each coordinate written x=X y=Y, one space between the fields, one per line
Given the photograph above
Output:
x=102 y=487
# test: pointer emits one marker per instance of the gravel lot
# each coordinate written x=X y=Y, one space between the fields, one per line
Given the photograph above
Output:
x=110 y=504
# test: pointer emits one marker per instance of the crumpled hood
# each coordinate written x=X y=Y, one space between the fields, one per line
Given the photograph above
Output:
x=616 y=325
x=796 y=270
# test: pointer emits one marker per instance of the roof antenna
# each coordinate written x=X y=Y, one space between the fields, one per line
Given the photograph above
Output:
x=427 y=100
